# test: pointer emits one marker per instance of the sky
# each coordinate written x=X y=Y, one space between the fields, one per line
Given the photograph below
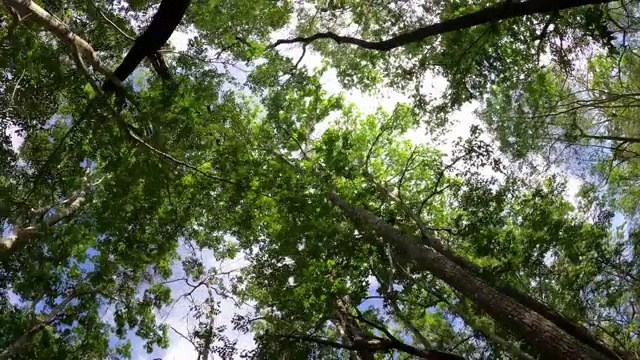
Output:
x=178 y=316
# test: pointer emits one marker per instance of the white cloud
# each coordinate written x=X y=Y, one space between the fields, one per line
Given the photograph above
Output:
x=16 y=140
x=180 y=40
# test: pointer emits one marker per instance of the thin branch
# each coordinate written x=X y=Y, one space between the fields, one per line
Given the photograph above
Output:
x=116 y=27
x=405 y=170
x=439 y=179
x=183 y=336
x=325 y=342
x=390 y=300
x=380 y=327
x=15 y=88
x=424 y=230
x=304 y=51
x=462 y=341
x=373 y=144
x=162 y=154
x=376 y=344
x=543 y=32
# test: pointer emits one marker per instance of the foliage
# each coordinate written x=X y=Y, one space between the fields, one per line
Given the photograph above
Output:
x=109 y=203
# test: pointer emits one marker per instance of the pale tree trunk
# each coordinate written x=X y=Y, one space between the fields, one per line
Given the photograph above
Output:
x=23 y=10
x=548 y=339
x=40 y=220
x=27 y=9
x=22 y=232
x=578 y=331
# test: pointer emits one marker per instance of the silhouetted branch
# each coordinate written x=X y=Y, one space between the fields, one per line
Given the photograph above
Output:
x=503 y=11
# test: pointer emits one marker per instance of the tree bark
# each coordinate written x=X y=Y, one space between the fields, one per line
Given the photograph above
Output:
x=428 y=238
x=548 y=339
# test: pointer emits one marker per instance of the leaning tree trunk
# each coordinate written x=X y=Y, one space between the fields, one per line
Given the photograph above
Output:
x=549 y=340
x=428 y=238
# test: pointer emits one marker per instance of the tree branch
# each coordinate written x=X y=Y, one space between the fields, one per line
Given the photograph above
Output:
x=502 y=11
x=116 y=26
x=376 y=344
x=58 y=29
x=24 y=339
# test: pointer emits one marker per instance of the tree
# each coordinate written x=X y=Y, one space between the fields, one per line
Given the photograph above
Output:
x=102 y=195
x=472 y=45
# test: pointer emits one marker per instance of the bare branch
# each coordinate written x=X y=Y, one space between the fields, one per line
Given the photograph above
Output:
x=116 y=27
x=502 y=11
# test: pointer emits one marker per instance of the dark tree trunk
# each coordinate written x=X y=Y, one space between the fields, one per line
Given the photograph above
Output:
x=576 y=330
x=549 y=340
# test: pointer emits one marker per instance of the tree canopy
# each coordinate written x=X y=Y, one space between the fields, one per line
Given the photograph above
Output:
x=236 y=197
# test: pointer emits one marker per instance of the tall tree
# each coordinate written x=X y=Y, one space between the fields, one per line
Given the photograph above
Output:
x=99 y=198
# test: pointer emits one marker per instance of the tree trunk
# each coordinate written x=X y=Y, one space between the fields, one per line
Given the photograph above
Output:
x=27 y=9
x=549 y=340
x=428 y=238
x=576 y=330
x=513 y=350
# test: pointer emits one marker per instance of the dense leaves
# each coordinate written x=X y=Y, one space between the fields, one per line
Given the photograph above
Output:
x=352 y=239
